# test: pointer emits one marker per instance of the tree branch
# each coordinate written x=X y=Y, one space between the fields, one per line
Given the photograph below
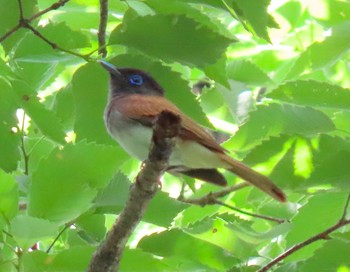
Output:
x=320 y=236
x=107 y=256
x=208 y=199
x=21 y=20
x=212 y=198
x=102 y=28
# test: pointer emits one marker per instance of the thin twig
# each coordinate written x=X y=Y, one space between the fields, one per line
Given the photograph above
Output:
x=102 y=50
x=24 y=152
x=54 y=45
x=320 y=236
x=22 y=20
x=20 y=8
x=54 y=6
x=107 y=256
x=57 y=237
x=212 y=198
x=278 y=220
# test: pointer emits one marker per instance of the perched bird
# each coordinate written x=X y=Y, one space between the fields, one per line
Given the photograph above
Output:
x=136 y=99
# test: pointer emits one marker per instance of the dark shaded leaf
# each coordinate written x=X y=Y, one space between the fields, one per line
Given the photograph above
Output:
x=172 y=38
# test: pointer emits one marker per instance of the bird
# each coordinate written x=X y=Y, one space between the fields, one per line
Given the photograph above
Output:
x=136 y=99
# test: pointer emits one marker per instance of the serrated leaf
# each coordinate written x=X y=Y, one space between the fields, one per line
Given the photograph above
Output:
x=89 y=85
x=313 y=93
x=175 y=243
x=225 y=235
x=177 y=7
x=112 y=198
x=8 y=195
x=32 y=48
x=176 y=89
x=247 y=72
x=45 y=119
x=255 y=13
x=163 y=209
x=325 y=53
x=172 y=38
x=325 y=259
x=325 y=210
x=65 y=184
x=276 y=119
x=27 y=230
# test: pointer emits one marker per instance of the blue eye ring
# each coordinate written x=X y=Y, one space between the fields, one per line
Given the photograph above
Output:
x=136 y=80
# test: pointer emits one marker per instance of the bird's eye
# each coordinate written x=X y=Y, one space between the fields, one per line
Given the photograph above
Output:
x=136 y=80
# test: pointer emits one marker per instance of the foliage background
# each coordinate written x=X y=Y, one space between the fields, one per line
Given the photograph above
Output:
x=280 y=86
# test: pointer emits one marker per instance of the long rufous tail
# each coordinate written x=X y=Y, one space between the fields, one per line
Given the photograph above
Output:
x=258 y=180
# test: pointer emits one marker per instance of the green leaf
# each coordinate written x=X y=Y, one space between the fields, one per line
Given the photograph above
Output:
x=8 y=195
x=325 y=53
x=171 y=38
x=45 y=119
x=9 y=138
x=333 y=171
x=64 y=106
x=35 y=261
x=247 y=72
x=313 y=93
x=292 y=12
x=74 y=259
x=65 y=184
x=136 y=260
x=112 y=198
x=325 y=258
x=31 y=48
x=89 y=85
x=27 y=230
x=342 y=120
x=255 y=13
x=325 y=210
x=9 y=13
x=92 y=227
x=175 y=243
x=176 y=89
x=196 y=13
x=276 y=119
x=337 y=12
x=163 y=209
x=226 y=236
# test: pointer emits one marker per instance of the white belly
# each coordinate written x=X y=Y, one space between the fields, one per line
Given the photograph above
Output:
x=135 y=139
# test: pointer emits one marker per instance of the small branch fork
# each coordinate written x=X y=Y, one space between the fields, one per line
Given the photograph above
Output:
x=320 y=236
x=25 y=23
x=107 y=256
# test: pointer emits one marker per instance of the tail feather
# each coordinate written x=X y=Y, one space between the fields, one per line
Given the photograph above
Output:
x=258 y=180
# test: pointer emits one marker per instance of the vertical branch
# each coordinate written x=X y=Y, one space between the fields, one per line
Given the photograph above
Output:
x=102 y=28
x=107 y=256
